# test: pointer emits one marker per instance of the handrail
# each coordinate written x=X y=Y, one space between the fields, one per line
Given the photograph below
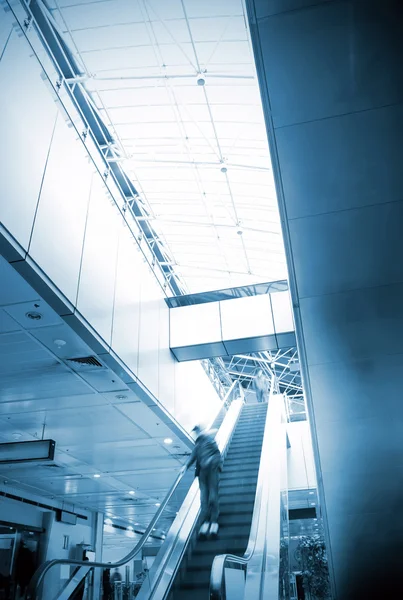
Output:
x=39 y=575
x=259 y=520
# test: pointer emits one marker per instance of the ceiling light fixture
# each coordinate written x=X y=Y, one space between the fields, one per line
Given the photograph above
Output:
x=120 y=397
x=59 y=343
x=34 y=316
x=168 y=441
x=97 y=475
x=108 y=522
x=132 y=492
x=158 y=504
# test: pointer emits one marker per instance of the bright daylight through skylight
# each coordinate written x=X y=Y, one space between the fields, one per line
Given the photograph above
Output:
x=175 y=82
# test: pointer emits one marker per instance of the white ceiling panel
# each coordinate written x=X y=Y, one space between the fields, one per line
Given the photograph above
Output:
x=114 y=36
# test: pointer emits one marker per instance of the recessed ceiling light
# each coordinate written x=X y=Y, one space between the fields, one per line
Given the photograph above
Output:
x=311 y=493
x=108 y=522
x=130 y=528
x=34 y=316
x=168 y=441
x=312 y=503
x=97 y=475
x=120 y=397
x=158 y=504
x=132 y=492
x=59 y=343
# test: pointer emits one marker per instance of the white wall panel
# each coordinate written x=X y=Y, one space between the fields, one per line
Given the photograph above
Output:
x=246 y=317
x=126 y=314
x=198 y=324
x=166 y=362
x=301 y=466
x=25 y=136
x=196 y=400
x=81 y=533
x=98 y=268
x=282 y=312
x=58 y=234
x=150 y=298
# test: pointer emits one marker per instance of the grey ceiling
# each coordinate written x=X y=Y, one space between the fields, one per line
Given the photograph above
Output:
x=99 y=425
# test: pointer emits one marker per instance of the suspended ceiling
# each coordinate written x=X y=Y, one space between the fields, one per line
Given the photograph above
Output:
x=197 y=154
x=110 y=450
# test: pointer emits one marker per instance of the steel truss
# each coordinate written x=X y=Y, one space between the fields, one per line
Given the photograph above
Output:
x=68 y=84
x=283 y=364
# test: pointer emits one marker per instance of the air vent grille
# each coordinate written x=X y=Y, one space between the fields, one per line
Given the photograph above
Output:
x=89 y=361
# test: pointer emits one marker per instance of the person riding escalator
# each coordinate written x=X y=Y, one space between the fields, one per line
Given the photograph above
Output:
x=208 y=461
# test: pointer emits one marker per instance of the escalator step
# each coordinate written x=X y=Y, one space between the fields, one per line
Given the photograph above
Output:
x=248 y=436
x=202 y=594
x=222 y=546
x=255 y=440
x=237 y=490
x=241 y=519
x=250 y=461
x=246 y=499
x=230 y=479
x=233 y=468
x=228 y=508
x=244 y=451
x=249 y=469
x=257 y=423
x=243 y=438
x=234 y=531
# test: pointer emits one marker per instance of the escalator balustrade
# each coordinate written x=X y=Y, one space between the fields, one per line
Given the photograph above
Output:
x=237 y=497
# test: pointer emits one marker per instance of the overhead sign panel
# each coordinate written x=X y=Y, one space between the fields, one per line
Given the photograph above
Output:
x=18 y=452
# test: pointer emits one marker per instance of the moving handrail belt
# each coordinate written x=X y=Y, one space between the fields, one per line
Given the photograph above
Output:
x=38 y=578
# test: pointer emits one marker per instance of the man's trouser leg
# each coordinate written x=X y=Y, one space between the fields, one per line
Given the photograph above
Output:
x=204 y=496
x=213 y=483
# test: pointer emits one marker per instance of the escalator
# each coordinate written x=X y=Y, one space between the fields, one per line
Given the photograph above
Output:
x=237 y=497
x=243 y=562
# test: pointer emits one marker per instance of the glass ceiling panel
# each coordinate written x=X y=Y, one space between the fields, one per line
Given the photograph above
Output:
x=176 y=83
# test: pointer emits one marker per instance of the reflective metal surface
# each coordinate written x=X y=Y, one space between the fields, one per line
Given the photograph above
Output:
x=261 y=561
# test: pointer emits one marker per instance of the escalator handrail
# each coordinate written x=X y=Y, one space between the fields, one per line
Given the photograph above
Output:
x=41 y=572
x=221 y=561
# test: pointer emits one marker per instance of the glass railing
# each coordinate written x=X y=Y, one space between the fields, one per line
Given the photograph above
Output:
x=227 y=294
